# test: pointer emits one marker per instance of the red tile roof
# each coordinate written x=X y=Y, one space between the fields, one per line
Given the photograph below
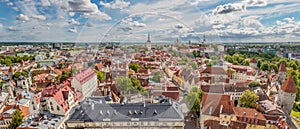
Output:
x=282 y=67
x=289 y=85
x=214 y=70
x=248 y=113
x=213 y=103
x=85 y=76
x=253 y=60
x=282 y=124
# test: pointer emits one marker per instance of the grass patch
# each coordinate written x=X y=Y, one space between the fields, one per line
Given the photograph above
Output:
x=296 y=114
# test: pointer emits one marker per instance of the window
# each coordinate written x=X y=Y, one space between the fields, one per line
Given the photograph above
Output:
x=57 y=107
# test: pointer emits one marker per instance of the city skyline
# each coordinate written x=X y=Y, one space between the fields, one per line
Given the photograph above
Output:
x=126 y=21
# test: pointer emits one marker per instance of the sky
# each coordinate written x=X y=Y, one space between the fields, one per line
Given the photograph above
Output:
x=164 y=20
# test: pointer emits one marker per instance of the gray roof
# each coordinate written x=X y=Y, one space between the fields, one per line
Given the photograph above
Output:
x=96 y=109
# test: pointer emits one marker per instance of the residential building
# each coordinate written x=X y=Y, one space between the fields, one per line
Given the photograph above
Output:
x=94 y=112
x=85 y=82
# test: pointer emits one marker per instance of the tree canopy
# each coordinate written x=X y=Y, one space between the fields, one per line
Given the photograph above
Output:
x=193 y=98
x=248 y=99
x=157 y=76
x=134 y=67
x=254 y=84
x=17 y=119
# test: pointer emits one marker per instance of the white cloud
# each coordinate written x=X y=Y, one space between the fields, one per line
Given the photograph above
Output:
x=73 y=30
x=71 y=14
x=74 y=22
x=130 y=22
x=39 y=17
x=89 y=9
x=238 y=6
x=11 y=28
x=22 y=17
x=116 y=4
x=10 y=3
x=97 y=16
x=84 y=6
x=45 y=3
x=256 y=2
x=1 y=25
x=90 y=24
x=228 y=8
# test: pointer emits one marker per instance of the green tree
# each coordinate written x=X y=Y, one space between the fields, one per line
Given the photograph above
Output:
x=193 y=98
x=258 y=64
x=254 y=84
x=38 y=65
x=157 y=76
x=248 y=99
x=62 y=64
x=246 y=62
x=123 y=84
x=8 y=62
x=194 y=65
x=47 y=54
x=265 y=66
x=137 y=85
x=134 y=67
x=195 y=54
x=64 y=74
x=100 y=75
x=17 y=119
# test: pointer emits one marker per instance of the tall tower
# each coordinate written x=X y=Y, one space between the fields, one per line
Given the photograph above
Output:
x=282 y=72
x=204 y=39
x=287 y=95
x=148 y=43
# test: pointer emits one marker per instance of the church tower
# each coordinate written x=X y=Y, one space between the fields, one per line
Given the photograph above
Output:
x=282 y=72
x=148 y=43
x=287 y=95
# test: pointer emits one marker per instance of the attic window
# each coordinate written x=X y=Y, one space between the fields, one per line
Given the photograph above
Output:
x=155 y=112
x=129 y=112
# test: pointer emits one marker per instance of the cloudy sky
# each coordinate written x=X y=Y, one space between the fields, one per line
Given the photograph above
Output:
x=165 y=20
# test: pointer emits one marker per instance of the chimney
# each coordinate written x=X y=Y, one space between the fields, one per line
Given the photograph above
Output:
x=221 y=108
x=210 y=110
x=93 y=106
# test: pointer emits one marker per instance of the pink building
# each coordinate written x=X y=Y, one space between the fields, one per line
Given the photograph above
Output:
x=85 y=82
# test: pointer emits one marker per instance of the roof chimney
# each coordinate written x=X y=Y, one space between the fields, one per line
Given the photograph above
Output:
x=210 y=110
x=221 y=108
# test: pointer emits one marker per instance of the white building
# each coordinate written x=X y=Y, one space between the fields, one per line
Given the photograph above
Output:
x=85 y=82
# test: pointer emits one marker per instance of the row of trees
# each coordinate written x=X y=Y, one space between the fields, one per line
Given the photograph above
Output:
x=8 y=60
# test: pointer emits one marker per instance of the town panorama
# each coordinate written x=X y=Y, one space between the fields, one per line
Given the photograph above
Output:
x=145 y=64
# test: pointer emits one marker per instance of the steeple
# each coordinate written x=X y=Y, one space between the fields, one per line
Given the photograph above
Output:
x=148 y=37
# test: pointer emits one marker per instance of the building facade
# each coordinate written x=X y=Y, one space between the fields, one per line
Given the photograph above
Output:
x=95 y=113
x=85 y=82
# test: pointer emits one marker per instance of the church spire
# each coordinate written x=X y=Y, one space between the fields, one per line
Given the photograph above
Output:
x=148 y=37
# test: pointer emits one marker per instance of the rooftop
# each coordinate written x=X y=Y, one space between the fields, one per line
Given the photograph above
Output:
x=289 y=85
x=96 y=109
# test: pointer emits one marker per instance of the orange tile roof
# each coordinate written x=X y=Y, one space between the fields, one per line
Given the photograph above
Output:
x=215 y=103
x=248 y=113
x=289 y=85
x=282 y=67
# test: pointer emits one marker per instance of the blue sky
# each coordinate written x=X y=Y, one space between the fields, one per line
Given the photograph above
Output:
x=165 y=20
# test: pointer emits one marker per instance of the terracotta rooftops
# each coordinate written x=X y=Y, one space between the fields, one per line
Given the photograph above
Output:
x=253 y=60
x=214 y=70
x=248 y=113
x=289 y=85
x=85 y=76
x=282 y=67
x=216 y=104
